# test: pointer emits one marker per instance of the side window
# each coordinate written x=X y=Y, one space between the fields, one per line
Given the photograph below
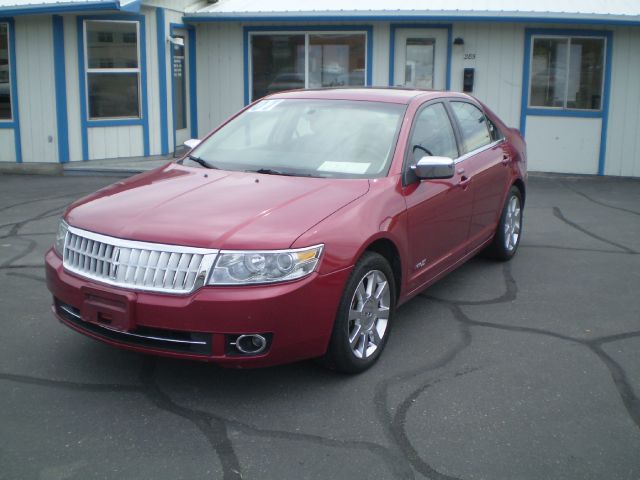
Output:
x=495 y=132
x=433 y=134
x=473 y=125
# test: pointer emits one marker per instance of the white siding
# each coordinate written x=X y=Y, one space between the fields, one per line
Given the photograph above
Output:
x=113 y=142
x=153 y=89
x=623 y=132
x=73 y=87
x=8 y=150
x=219 y=59
x=499 y=51
x=36 y=89
x=380 y=72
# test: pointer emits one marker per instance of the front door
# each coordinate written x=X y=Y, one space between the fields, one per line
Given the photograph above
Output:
x=438 y=211
x=180 y=84
x=420 y=58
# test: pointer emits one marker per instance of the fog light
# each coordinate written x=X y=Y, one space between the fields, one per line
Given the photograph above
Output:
x=247 y=344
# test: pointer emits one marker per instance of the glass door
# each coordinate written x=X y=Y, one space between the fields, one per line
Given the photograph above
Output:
x=180 y=86
x=420 y=58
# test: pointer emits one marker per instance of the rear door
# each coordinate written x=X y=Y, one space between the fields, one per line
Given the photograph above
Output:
x=485 y=162
x=439 y=211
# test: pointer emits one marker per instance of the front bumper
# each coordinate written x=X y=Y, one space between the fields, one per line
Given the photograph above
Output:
x=297 y=316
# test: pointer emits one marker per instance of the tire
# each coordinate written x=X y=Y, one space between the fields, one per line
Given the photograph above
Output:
x=360 y=330
x=509 y=231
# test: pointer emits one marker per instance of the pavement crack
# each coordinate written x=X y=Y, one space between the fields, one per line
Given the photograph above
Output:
x=212 y=427
x=599 y=202
x=67 y=385
x=559 y=215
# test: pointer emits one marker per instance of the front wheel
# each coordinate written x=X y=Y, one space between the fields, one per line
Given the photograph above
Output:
x=363 y=320
x=507 y=237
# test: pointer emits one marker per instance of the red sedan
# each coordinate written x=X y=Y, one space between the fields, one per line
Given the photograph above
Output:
x=294 y=230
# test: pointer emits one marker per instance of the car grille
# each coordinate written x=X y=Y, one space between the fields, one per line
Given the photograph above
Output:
x=136 y=265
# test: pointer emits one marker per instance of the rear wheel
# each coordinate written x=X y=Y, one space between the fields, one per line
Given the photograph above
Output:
x=507 y=238
x=363 y=320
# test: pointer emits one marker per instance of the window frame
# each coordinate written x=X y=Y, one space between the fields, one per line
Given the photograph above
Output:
x=116 y=71
x=250 y=32
x=569 y=37
x=9 y=122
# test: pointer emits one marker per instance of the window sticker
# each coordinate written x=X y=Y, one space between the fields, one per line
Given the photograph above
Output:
x=344 y=167
x=265 y=106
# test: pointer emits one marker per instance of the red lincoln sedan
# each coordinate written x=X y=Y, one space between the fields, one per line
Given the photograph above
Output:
x=293 y=230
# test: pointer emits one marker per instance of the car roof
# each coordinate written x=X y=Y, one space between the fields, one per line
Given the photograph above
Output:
x=375 y=94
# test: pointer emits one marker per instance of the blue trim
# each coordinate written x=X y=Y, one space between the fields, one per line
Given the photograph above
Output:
x=603 y=114
x=247 y=30
x=85 y=123
x=245 y=64
x=162 y=79
x=335 y=16
x=392 y=47
x=193 y=104
x=605 y=103
x=14 y=123
x=60 y=88
x=193 y=84
x=72 y=8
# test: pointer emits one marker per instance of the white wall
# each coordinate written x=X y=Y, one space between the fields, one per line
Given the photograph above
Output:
x=499 y=51
x=623 y=132
x=8 y=150
x=114 y=142
x=36 y=88
x=73 y=87
x=220 y=77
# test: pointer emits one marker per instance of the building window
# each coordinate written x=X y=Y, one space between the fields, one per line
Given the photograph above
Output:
x=113 y=69
x=567 y=72
x=285 y=61
x=5 y=73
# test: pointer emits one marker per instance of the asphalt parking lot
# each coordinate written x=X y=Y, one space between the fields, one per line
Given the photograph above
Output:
x=523 y=370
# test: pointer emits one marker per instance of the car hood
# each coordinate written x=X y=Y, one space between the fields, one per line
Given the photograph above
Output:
x=213 y=208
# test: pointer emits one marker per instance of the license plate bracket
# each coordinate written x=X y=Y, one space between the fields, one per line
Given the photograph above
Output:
x=108 y=309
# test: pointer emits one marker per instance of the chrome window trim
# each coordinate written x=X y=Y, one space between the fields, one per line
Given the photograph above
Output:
x=488 y=146
x=209 y=258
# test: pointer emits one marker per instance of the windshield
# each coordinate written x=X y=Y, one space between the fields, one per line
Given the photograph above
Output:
x=324 y=138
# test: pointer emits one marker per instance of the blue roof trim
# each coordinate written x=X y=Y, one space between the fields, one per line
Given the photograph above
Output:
x=335 y=17
x=109 y=5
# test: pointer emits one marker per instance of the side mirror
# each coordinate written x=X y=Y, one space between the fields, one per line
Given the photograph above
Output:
x=434 y=167
x=192 y=143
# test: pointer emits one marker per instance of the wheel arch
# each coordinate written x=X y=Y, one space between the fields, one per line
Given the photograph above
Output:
x=520 y=186
x=388 y=249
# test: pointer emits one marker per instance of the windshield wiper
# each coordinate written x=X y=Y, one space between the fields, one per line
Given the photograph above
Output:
x=271 y=171
x=201 y=162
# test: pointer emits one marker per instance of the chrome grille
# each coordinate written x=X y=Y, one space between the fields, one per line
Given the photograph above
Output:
x=136 y=265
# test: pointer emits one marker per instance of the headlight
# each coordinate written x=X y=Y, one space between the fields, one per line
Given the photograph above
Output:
x=249 y=267
x=58 y=245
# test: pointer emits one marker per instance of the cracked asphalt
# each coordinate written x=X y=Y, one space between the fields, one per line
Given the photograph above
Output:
x=523 y=370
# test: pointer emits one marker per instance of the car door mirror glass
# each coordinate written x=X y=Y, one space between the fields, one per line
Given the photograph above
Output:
x=434 y=167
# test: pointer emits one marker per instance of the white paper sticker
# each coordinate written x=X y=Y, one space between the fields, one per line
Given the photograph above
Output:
x=344 y=167
x=264 y=106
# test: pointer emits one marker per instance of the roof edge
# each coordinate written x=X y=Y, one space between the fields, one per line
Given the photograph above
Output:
x=132 y=6
x=399 y=16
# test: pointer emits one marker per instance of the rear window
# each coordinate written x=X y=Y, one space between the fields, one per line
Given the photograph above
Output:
x=473 y=125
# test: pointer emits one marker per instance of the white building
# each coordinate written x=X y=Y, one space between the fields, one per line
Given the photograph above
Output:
x=91 y=79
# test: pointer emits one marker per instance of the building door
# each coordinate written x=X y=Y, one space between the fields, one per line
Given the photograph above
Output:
x=420 y=58
x=180 y=86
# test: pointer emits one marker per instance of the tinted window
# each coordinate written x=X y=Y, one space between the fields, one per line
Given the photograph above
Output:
x=473 y=125
x=433 y=134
